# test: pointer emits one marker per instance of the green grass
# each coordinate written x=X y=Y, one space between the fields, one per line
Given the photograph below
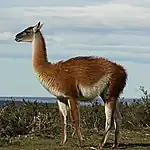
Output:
x=130 y=140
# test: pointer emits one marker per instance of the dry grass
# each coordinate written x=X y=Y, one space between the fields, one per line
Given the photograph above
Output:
x=130 y=140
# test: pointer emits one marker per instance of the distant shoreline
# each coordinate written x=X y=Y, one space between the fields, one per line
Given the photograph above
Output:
x=53 y=99
x=21 y=98
x=40 y=97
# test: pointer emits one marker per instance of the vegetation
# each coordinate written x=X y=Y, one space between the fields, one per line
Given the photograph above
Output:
x=40 y=122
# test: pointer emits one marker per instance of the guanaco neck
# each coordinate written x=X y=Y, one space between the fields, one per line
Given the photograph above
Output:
x=39 y=54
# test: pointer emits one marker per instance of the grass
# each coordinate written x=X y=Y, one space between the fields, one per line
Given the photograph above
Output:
x=130 y=140
x=41 y=122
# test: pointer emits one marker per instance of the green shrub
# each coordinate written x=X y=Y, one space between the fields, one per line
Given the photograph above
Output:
x=42 y=119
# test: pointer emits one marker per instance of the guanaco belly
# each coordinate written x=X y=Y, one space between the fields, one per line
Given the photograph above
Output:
x=84 y=92
x=93 y=91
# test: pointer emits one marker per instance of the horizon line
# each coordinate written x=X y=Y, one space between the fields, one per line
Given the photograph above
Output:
x=55 y=97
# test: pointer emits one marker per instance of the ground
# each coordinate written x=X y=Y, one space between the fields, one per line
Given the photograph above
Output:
x=130 y=140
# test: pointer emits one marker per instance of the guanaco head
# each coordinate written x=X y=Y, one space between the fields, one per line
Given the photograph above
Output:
x=28 y=34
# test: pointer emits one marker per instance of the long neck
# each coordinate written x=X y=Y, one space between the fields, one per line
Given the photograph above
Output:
x=39 y=54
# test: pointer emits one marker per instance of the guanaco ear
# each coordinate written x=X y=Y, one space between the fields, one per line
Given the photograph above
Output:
x=37 y=27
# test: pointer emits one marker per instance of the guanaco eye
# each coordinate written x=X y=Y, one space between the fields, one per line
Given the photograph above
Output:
x=27 y=31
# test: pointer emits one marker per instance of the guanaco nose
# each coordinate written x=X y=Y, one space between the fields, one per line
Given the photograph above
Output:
x=19 y=36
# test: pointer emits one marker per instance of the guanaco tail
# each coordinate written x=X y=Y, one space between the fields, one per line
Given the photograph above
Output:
x=77 y=79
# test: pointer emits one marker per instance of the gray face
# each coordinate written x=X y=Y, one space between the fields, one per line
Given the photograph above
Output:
x=26 y=35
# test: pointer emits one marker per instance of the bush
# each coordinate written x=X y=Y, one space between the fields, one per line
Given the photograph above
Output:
x=42 y=119
x=31 y=117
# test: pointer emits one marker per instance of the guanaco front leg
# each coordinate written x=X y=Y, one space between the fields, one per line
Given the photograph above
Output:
x=63 y=115
x=75 y=119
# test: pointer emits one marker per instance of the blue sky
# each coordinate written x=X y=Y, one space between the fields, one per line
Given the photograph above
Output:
x=116 y=29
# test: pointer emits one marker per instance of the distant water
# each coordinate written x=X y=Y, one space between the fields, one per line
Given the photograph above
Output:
x=38 y=99
x=52 y=99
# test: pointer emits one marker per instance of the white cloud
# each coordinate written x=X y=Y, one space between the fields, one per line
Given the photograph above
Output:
x=144 y=3
x=6 y=36
x=104 y=15
x=60 y=20
x=118 y=30
x=29 y=3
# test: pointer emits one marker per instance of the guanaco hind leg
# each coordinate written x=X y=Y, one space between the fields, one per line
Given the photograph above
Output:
x=63 y=115
x=75 y=118
x=109 y=111
x=117 y=123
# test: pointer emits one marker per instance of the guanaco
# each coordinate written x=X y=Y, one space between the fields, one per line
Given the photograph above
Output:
x=77 y=79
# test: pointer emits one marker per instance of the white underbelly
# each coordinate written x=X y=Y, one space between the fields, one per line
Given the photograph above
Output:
x=93 y=91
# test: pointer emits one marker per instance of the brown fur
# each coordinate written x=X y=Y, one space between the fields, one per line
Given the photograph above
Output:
x=86 y=71
x=66 y=79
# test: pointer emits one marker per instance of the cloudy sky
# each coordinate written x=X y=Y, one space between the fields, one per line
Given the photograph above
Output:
x=115 y=29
